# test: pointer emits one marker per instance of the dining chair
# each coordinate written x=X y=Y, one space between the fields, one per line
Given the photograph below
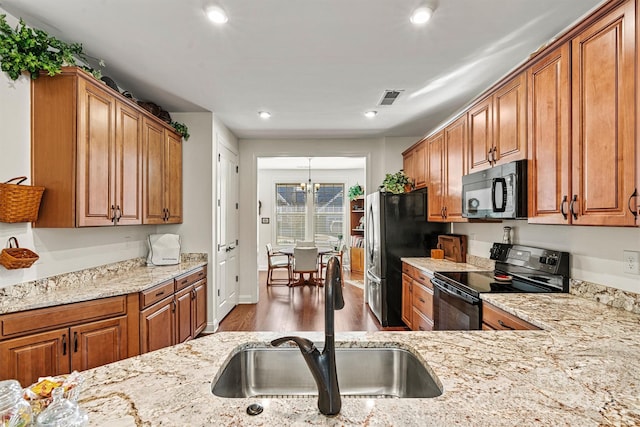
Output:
x=324 y=259
x=305 y=260
x=278 y=261
x=305 y=244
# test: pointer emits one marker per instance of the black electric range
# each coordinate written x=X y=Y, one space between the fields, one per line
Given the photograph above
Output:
x=524 y=269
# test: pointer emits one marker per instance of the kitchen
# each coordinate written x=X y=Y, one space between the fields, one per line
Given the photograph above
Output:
x=596 y=251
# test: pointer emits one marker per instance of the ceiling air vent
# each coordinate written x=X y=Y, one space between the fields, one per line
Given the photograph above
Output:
x=389 y=97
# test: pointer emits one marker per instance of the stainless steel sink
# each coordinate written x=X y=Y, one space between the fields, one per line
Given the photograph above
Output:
x=366 y=372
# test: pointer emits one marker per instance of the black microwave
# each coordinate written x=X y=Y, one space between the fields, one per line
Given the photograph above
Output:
x=498 y=192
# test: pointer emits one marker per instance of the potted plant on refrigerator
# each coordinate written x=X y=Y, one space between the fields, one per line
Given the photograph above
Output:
x=397 y=183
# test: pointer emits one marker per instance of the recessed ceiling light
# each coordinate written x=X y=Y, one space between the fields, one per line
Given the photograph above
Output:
x=421 y=15
x=264 y=114
x=216 y=14
x=370 y=114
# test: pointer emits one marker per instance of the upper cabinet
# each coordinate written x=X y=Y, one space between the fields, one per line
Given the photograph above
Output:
x=603 y=120
x=498 y=126
x=415 y=164
x=162 y=172
x=585 y=173
x=87 y=150
x=446 y=165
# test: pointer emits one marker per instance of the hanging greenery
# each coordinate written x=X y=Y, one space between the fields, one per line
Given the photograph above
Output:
x=182 y=129
x=31 y=50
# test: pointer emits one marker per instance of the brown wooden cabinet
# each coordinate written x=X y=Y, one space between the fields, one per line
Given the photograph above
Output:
x=174 y=311
x=603 y=140
x=549 y=138
x=415 y=163
x=162 y=174
x=417 y=299
x=87 y=151
x=57 y=340
x=446 y=165
x=356 y=209
x=583 y=169
x=498 y=126
x=494 y=318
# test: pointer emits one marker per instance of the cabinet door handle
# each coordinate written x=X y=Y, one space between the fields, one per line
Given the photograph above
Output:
x=422 y=300
x=64 y=344
x=634 y=194
x=168 y=214
x=445 y=212
x=489 y=156
x=113 y=214
x=493 y=155
x=173 y=305
x=193 y=294
x=504 y=325
x=574 y=199
x=118 y=213
x=75 y=342
x=159 y=293
x=562 y=211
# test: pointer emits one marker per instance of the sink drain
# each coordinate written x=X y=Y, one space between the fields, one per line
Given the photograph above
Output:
x=255 y=409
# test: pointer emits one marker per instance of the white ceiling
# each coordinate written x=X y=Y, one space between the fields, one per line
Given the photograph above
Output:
x=316 y=65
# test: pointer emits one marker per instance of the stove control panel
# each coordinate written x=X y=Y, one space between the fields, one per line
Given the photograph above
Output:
x=539 y=259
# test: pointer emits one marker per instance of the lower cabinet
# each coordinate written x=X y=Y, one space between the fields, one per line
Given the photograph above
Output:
x=496 y=319
x=357 y=260
x=417 y=299
x=71 y=343
x=174 y=311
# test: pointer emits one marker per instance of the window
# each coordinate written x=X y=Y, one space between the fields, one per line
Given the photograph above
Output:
x=322 y=217
x=328 y=212
x=291 y=210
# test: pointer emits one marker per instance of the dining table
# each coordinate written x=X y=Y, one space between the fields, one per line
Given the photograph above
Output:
x=322 y=250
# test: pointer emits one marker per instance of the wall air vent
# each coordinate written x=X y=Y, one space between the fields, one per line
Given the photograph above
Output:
x=389 y=97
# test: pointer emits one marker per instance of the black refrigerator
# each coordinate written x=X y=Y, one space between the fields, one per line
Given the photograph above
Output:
x=396 y=227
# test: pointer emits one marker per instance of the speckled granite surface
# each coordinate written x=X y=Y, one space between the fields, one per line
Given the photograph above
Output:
x=431 y=265
x=99 y=282
x=603 y=294
x=583 y=370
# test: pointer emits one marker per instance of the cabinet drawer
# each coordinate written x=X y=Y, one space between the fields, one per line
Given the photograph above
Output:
x=501 y=320
x=43 y=319
x=408 y=269
x=190 y=278
x=155 y=294
x=420 y=322
x=423 y=299
x=422 y=277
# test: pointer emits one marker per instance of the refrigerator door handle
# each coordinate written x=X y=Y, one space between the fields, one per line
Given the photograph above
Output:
x=373 y=278
x=371 y=233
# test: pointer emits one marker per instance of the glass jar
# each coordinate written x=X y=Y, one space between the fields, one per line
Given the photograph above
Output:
x=506 y=235
x=62 y=412
x=14 y=410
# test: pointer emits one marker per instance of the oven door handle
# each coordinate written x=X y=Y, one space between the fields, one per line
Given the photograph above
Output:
x=463 y=296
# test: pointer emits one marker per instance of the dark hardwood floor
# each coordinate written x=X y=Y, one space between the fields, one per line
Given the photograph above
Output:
x=301 y=308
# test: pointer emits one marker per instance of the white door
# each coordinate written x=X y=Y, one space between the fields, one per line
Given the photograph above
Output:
x=227 y=232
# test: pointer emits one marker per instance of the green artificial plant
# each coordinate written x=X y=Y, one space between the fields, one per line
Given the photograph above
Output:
x=182 y=129
x=355 y=191
x=31 y=50
x=396 y=183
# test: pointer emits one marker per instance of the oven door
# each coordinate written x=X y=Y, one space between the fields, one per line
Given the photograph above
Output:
x=453 y=309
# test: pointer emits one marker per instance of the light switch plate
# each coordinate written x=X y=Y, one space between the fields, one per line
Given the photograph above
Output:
x=631 y=262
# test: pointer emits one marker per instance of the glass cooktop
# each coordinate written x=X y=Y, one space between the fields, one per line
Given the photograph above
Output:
x=476 y=282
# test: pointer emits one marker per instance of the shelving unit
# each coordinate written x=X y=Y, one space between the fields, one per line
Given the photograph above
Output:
x=356 y=209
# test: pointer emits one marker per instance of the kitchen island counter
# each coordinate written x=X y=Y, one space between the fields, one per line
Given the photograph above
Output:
x=582 y=370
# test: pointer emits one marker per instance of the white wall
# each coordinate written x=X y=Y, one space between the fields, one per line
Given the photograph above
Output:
x=383 y=156
x=596 y=252
x=267 y=179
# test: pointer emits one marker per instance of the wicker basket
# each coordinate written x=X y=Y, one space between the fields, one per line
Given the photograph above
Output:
x=19 y=203
x=12 y=258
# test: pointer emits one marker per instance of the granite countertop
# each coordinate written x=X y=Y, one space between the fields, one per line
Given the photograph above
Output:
x=583 y=369
x=431 y=265
x=84 y=287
